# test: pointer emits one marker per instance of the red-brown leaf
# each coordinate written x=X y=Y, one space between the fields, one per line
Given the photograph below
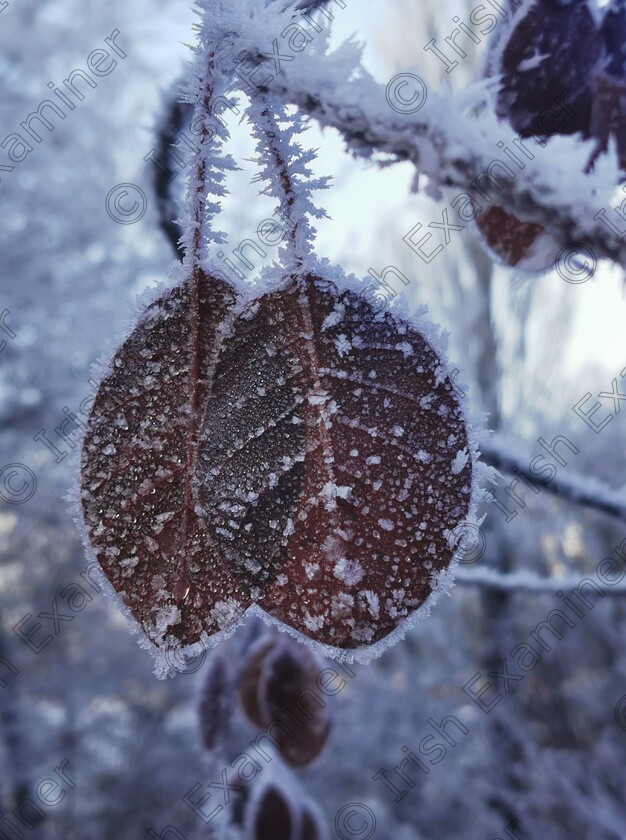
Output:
x=277 y=675
x=137 y=468
x=303 y=454
x=292 y=416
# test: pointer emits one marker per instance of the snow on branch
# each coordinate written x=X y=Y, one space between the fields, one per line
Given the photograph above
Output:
x=455 y=140
x=525 y=582
x=506 y=458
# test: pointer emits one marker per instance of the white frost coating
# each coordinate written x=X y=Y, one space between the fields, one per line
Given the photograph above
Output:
x=225 y=612
x=331 y=491
x=334 y=318
x=128 y=563
x=348 y=571
x=341 y=604
x=318 y=399
x=166 y=617
x=373 y=603
x=311 y=569
x=405 y=348
x=313 y=622
x=343 y=345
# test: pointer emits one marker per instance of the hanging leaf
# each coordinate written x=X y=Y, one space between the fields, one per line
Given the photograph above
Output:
x=302 y=453
x=310 y=828
x=280 y=810
x=548 y=60
x=327 y=467
x=524 y=245
x=137 y=469
x=272 y=818
x=216 y=703
x=277 y=673
x=250 y=679
x=549 y=57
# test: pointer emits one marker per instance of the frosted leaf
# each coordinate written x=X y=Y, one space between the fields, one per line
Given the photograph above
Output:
x=305 y=498
x=566 y=36
x=216 y=703
x=276 y=671
x=214 y=499
x=549 y=56
x=129 y=504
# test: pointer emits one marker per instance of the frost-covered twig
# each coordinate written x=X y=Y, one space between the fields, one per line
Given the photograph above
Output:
x=210 y=165
x=455 y=150
x=549 y=185
x=285 y=169
x=572 y=487
x=525 y=581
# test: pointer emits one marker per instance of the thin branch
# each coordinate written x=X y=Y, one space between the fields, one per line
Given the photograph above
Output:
x=525 y=582
x=265 y=128
x=567 y=485
x=463 y=150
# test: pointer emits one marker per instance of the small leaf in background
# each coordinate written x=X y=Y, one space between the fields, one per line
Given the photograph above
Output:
x=280 y=810
x=548 y=61
x=276 y=673
x=216 y=703
x=551 y=51
x=272 y=818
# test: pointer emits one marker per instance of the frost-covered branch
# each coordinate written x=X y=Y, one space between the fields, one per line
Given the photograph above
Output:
x=505 y=457
x=446 y=139
x=524 y=581
x=455 y=150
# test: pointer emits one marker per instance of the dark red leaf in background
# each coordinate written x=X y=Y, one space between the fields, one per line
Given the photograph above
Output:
x=279 y=672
